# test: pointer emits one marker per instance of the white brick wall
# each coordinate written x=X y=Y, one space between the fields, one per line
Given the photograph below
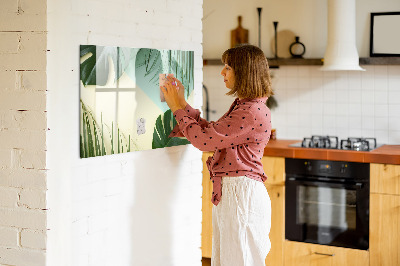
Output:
x=141 y=208
x=23 y=132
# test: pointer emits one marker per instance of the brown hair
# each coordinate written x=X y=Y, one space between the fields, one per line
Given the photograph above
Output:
x=250 y=66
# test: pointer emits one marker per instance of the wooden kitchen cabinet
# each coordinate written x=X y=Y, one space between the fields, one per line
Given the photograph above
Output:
x=305 y=254
x=206 y=225
x=385 y=178
x=384 y=236
x=277 y=233
x=274 y=168
x=385 y=215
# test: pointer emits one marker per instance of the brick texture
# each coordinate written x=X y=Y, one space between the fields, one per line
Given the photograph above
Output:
x=23 y=126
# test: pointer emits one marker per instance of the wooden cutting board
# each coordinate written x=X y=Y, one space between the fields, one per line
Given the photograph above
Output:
x=239 y=35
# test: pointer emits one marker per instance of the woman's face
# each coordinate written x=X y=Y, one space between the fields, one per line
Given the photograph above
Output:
x=229 y=76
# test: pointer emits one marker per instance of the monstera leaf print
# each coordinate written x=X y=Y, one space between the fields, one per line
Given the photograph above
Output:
x=162 y=129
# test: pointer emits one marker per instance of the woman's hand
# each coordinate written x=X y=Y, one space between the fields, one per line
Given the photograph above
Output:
x=173 y=94
x=181 y=92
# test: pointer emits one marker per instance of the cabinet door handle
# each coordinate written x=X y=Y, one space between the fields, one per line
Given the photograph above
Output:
x=324 y=254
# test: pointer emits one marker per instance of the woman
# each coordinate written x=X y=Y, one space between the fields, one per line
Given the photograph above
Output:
x=242 y=208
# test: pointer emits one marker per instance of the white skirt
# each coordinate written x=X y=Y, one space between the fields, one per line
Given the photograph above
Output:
x=241 y=223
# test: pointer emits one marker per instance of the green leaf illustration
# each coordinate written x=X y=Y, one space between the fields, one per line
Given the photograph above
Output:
x=162 y=129
x=96 y=68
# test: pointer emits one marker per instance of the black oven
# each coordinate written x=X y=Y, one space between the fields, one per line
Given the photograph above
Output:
x=327 y=202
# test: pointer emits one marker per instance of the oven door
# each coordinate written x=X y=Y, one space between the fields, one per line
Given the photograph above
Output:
x=327 y=213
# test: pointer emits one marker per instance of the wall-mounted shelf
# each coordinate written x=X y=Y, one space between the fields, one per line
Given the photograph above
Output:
x=380 y=61
x=273 y=63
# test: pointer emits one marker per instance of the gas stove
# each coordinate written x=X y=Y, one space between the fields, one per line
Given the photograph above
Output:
x=332 y=142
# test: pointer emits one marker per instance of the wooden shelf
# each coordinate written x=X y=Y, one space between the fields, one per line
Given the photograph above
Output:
x=380 y=61
x=273 y=63
x=295 y=62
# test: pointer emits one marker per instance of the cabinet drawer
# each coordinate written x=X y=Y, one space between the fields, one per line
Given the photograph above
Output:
x=304 y=254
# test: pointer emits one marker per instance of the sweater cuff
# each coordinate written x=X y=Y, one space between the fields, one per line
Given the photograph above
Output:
x=178 y=114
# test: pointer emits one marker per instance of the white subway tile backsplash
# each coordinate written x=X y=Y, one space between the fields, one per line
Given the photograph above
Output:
x=329 y=122
x=291 y=71
x=342 y=96
x=355 y=109
x=367 y=110
x=354 y=80
x=316 y=72
x=355 y=132
x=355 y=122
x=368 y=122
x=292 y=82
x=342 y=133
x=367 y=96
x=381 y=123
x=304 y=72
x=304 y=82
x=394 y=123
x=345 y=102
x=381 y=84
x=316 y=82
x=380 y=71
x=329 y=93
x=342 y=81
x=342 y=109
x=394 y=137
x=342 y=122
x=394 y=82
x=317 y=131
x=328 y=74
x=329 y=109
x=393 y=71
x=367 y=133
x=382 y=136
x=394 y=110
x=381 y=97
x=304 y=109
x=394 y=97
x=355 y=96
x=381 y=110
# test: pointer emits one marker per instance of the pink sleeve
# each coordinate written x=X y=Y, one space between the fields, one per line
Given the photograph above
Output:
x=235 y=129
x=193 y=113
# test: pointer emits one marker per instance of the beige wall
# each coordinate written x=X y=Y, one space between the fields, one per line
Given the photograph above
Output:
x=305 y=18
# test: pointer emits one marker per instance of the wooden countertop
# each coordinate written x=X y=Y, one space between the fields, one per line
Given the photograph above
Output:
x=389 y=154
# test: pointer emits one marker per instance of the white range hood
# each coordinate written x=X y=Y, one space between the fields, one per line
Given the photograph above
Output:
x=341 y=51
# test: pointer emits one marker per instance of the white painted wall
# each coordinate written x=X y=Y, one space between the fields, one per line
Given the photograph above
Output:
x=23 y=133
x=311 y=102
x=140 y=208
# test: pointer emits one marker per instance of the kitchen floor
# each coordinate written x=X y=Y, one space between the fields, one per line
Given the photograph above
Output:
x=206 y=261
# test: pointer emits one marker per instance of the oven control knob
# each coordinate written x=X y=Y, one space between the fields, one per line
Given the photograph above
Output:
x=343 y=168
x=308 y=166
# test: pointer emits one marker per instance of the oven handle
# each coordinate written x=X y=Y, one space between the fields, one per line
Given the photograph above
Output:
x=357 y=185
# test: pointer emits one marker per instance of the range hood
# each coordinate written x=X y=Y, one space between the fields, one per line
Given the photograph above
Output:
x=341 y=51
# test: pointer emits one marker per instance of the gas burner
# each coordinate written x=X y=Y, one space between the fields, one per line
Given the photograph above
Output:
x=327 y=142
x=332 y=142
x=358 y=144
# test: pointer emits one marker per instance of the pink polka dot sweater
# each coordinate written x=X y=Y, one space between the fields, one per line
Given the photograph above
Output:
x=238 y=139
